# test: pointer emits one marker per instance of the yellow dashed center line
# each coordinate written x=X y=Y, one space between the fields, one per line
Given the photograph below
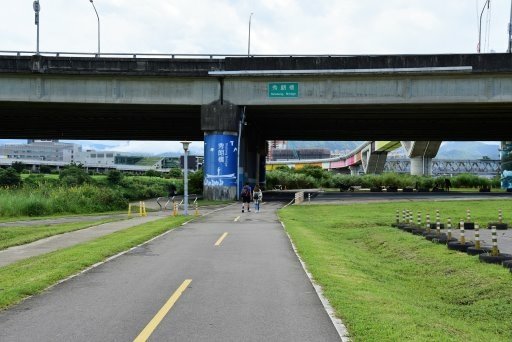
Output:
x=237 y=218
x=148 y=330
x=219 y=241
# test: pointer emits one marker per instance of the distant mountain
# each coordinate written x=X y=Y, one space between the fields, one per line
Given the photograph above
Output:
x=468 y=150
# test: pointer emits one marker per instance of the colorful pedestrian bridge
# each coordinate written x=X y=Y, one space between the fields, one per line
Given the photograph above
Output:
x=371 y=157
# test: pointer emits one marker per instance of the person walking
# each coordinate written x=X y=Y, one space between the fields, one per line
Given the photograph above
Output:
x=257 y=196
x=246 y=195
x=447 y=184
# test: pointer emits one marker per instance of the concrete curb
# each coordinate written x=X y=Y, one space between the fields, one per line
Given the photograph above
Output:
x=338 y=324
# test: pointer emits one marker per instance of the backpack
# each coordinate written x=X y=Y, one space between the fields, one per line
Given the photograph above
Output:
x=256 y=196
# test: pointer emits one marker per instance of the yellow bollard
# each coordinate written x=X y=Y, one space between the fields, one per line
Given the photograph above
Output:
x=197 y=210
x=140 y=208
x=129 y=209
x=144 y=213
x=174 y=209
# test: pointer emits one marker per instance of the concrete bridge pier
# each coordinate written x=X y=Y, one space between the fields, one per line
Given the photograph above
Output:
x=220 y=123
x=421 y=154
x=421 y=166
x=354 y=170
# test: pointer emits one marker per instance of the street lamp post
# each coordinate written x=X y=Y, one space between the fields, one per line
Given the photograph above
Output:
x=509 y=50
x=480 y=25
x=98 y=25
x=37 y=8
x=185 y=176
x=249 y=40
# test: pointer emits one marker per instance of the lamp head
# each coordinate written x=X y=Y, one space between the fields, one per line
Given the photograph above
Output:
x=185 y=145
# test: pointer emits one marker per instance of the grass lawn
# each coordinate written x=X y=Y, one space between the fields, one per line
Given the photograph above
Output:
x=33 y=275
x=387 y=285
x=15 y=236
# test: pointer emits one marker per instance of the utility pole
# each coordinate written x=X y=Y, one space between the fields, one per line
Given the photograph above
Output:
x=509 y=50
x=249 y=41
x=99 y=51
x=37 y=8
x=487 y=3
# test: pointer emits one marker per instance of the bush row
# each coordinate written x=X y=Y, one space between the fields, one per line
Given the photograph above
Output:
x=316 y=177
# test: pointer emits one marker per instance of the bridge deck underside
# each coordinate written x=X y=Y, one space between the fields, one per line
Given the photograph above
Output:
x=489 y=121
x=100 y=122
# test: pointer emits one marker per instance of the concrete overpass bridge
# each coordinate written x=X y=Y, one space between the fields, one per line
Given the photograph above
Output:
x=238 y=103
x=371 y=156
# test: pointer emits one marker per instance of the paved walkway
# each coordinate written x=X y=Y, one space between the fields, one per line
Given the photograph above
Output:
x=227 y=276
x=53 y=243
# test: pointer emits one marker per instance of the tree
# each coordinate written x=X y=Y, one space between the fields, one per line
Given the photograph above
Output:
x=152 y=173
x=45 y=169
x=9 y=177
x=195 y=182
x=175 y=173
x=74 y=175
x=114 y=176
x=18 y=166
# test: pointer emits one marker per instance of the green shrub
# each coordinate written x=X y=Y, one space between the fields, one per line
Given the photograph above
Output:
x=152 y=173
x=195 y=182
x=74 y=175
x=114 y=176
x=18 y=166
x=9 y=177
x=175 y=173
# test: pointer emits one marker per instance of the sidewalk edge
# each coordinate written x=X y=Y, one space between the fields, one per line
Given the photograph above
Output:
x=338 y=324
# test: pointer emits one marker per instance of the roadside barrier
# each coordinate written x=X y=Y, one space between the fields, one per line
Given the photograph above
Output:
x=478 y=248
x=449 y=228
x=462 y=238
x=129 y=209
x=196 y=213
x=144 y=213
x=299 y=197
x=494 y=256
x=462 y=245
x=477 y=236
x=500 y=225
x=494 y=251
x=419 y=219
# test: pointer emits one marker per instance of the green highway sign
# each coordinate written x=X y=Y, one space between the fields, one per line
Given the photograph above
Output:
x=283 y=89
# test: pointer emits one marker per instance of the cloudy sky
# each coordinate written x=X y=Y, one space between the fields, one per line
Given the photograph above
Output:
x=278 y=27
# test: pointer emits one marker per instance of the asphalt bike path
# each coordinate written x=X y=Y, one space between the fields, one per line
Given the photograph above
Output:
x=228 y=276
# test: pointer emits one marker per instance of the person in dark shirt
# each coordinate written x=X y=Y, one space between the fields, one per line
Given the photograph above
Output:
x=246 y=196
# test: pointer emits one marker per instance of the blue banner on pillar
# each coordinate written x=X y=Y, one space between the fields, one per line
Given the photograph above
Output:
x=220 y=160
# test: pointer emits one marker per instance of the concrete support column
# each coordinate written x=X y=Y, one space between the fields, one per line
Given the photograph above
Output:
x=354 y=170
x=262 y=179
x=220 y=165
x=421 y=166
x=221 y=123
